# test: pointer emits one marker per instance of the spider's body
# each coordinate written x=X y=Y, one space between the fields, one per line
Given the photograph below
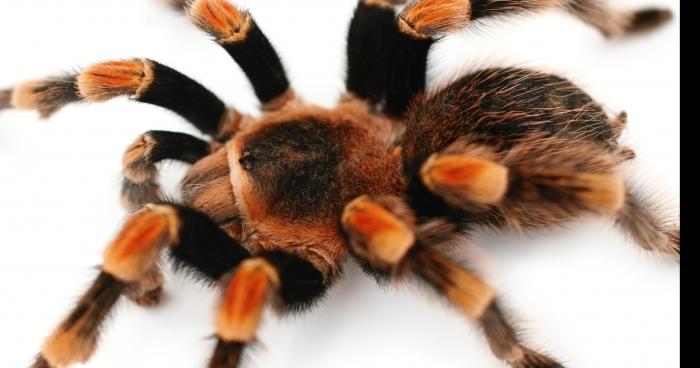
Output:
x=281 y=183
x=272 y=206
x=291 y=174
x=523 y=117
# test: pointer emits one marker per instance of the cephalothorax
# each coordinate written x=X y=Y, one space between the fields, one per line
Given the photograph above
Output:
x=271 y=207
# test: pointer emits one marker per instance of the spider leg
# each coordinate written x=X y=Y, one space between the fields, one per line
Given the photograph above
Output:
x=434 y=17
x=383 y=234
x=148 y=291
x=370 y=42
x=612 y=23
x=467 y=292
x=139 y=185
x=143 y=80
x=465 y=180
x=408 y=64
x=154 y=83
x=238 y=33
x=130 y=268
x=45 y=96
x=643 y=220
x=526 y=188
x=291 y=281
x=180 y=5
x=386 y=65
x=472 y=183
x=367 y=49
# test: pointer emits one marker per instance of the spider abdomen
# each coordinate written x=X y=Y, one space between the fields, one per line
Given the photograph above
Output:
x=499 y=107
x=557 y=144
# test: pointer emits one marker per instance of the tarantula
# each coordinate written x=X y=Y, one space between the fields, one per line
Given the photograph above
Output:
x=272 y=206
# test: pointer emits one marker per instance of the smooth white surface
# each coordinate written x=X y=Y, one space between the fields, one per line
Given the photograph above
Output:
x=584 y=294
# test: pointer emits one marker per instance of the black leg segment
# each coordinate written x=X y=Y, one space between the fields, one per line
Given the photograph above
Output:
x=189 y=99
x=301 y=283
x=204 y=247
x=368 y=50
x=260 y=63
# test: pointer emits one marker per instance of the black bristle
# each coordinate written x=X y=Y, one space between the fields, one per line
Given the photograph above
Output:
x=260 y=63
x=301 y=283
x=204 y=247
x=368 y=50
x=407 y=71
x=177 y=146
x=174 y=91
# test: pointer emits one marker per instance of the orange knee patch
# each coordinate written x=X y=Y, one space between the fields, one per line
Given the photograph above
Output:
x=103 y=81
x=221 y=19
x=376 y=233
x=463 y=180
x=136 y=160
x=242 y=304
x=427 y=18
x=464 y=289
x=469 y=293
x=137 y=247
x=604 y=194
x=148 y=291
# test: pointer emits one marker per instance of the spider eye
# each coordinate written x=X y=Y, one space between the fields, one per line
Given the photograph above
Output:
x=247 y=161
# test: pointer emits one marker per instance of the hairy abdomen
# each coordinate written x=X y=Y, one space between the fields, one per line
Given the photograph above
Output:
x=499 y=107
x=557 y=143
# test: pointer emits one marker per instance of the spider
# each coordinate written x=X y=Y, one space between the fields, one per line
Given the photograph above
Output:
x=272 y=206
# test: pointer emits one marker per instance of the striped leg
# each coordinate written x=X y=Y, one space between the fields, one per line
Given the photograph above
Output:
x=238 y=33
x=430 y=17
x=129 y=262
x=293 y=282
x=423 y=22
x=45 y=96
x=142 y=80
x=528 y=184
x=148 y=81
x=528 y=188
x=478 y=302
x=382 y=234
x=139 y=185
x=612 y=23
x=644 y=221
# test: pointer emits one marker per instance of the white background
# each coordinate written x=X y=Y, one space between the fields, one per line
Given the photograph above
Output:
x=583 y=293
